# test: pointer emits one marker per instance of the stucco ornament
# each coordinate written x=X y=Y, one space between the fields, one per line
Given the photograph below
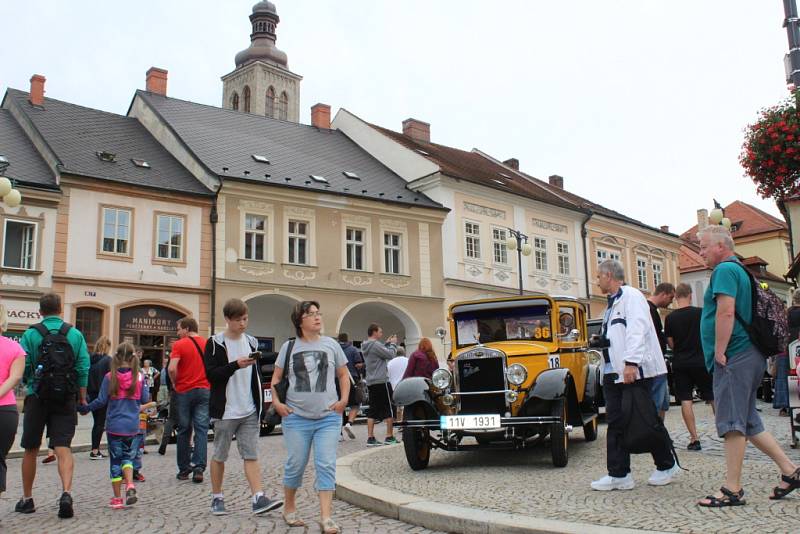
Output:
x=256 y=271
x=16 y=280
x=300 y=276
x=542 y=282
x=474 y=270
x=501 y=275
x=395 y=284
x=356 y=280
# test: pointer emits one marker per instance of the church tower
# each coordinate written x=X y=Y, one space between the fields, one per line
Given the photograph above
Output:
x=262 y=83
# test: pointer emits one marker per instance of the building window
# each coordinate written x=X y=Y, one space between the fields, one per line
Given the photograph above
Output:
x=116 y=231
x=283 y=106
x=235 y=102
x=657 y=276
x=391 y=252
x=472 y=240
x=89 y=321
x=603 y=255
x=270 y=103
x=298 y=242
x=499 y=248
x=354 y=238
x=246 y=98
x=255 y=237
x=170 y=237
x=563 y=258
x=641 y=273
x=19 y=245
x=540 y=253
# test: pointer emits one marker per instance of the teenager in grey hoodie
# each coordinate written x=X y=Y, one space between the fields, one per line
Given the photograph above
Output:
x=376 y=356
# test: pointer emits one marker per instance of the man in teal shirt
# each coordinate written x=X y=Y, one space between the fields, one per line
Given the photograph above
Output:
x=59 y=418
x=738 y=369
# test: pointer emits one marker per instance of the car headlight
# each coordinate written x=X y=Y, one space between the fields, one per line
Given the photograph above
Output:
x=595 y=358
x=516 y=374
x=441 y=378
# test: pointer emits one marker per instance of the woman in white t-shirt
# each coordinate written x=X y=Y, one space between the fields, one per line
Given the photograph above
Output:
x=311 y=411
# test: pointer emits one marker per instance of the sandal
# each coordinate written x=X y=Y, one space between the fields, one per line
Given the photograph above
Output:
x=728 y=498
x=328 y=526
x=292 y=519
x=794 y=482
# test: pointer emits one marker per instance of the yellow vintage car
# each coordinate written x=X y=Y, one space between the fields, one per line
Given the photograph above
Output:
x=522 y=372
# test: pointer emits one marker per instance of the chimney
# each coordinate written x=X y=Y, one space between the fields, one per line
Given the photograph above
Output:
x=702 y=219
x=513 y=163
x=557 y=181
x=156 y=81
x=37 y=90
x=417 y=130
x=665 y=229
x=321 y=116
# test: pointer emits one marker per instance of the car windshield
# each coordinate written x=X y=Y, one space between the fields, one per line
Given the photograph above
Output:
x=520 y=323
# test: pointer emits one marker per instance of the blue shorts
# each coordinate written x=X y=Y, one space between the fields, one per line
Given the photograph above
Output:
x=659 y=390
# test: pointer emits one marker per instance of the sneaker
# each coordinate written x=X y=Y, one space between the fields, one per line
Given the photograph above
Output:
x=391 y=440
x=349 y=431
x=609 y=483
x=263 y=505
x=25 y=506
x=50 y=458
x=341 y=437
x=130 y=495
x=662 y=478
x=138 y=476
x=694 y=446
x=218 y=507
x=96 y=455
x=116 y=503
x=65 y=506
x=197 y=475
x=372 y=442
x=183 y=474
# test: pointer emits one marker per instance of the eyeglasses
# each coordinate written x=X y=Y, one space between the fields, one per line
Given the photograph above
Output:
x=313 y=314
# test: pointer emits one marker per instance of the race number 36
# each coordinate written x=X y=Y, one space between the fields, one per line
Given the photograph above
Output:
x=554 y=361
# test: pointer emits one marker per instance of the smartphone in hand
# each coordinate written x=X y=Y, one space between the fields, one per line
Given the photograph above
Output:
x=254 y=355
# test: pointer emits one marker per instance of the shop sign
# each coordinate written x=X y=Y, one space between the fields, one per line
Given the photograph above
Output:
x=22 y=311
x=148 y=319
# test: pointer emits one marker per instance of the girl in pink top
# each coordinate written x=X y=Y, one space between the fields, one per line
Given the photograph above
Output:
x=12 y=364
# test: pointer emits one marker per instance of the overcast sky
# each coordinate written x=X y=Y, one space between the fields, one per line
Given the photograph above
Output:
x=639 y=104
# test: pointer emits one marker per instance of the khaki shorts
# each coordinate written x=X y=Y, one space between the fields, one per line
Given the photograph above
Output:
x=735 y=386
x=246 y=431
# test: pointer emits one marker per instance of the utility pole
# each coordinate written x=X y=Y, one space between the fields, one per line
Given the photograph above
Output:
x=792 y=59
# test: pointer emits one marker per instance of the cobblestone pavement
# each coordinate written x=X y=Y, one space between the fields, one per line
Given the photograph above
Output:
x=525 y=482
x=169 y=505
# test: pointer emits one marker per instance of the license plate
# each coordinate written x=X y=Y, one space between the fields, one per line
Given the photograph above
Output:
x=469 y=422
x=268 y=395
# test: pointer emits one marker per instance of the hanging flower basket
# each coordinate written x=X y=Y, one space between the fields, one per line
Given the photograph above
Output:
x=771 y=150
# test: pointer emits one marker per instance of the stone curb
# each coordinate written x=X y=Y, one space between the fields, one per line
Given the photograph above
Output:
x=445 y=516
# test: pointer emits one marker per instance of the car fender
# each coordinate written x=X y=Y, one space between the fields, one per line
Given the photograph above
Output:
x=411 y=390
x=551 y=384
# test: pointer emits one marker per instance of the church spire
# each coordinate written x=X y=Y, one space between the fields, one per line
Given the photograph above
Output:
x=264 y=20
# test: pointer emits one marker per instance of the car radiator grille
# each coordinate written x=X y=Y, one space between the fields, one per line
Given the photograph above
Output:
x=481 y=374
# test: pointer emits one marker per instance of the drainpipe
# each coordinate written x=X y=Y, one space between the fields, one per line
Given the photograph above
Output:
x=584 y=234
x=214 y=218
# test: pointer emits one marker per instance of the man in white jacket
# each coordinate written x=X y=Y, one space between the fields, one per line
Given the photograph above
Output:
x=633 y=357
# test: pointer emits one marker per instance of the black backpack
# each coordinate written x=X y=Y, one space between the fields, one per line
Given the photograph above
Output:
x=57 y=379
x=644 y=429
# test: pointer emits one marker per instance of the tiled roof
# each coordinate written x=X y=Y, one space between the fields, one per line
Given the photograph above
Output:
x=689 y=259
x=76 y=133
x=749 y=220
x=474 y=167
x=226 y=141
x=27 y=166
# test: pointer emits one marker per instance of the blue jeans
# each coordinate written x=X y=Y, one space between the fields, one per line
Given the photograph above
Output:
x=138 y=444
x=192 y=416
x=121 y=451
x=298 y=435
x=660 y=392
x=781 y=397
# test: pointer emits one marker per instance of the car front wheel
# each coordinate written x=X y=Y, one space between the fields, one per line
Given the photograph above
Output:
x=416 y=441
x=559 y=439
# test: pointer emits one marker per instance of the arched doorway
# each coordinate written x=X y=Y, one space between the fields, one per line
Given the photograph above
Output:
x=270 y=320
x=357 y=317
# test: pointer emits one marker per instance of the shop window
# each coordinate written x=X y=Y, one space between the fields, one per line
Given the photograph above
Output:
x=19 y=244
x=90 y=323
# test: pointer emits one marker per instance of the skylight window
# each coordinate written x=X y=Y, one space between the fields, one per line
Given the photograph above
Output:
x=261 y=159
x=140 y=163
x=319 y=179
x=507 y=177
x=102 y=155
x=422 y=152
x=501 y=182
x=351 y=175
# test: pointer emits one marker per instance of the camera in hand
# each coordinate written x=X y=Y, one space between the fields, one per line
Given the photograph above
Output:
x=598 y=341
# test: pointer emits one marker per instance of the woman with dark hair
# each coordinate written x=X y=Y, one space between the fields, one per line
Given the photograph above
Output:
x=311 y=411
x=12 y=365
x=423 y=361
x=100 y=363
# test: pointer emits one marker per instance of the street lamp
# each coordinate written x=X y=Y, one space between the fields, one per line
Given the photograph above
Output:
x=717 y=216
x=11 y=197
x=519 y=242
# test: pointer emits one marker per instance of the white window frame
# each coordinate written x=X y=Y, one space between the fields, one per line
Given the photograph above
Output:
x=128 y=238
x=34 y=243
x=540 y=254
x=473 y=238
x=499 y=246
x=562 y=255
x=170 y=246
x=400 y=228
x=658 y=273
x=641 y=273
x=389 y=248
x=260 y=210
x=354 y=247
x=603 y=254
x=249 y=236
x=297 y=237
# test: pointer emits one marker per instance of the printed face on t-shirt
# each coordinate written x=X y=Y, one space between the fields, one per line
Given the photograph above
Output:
x=310 y=366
